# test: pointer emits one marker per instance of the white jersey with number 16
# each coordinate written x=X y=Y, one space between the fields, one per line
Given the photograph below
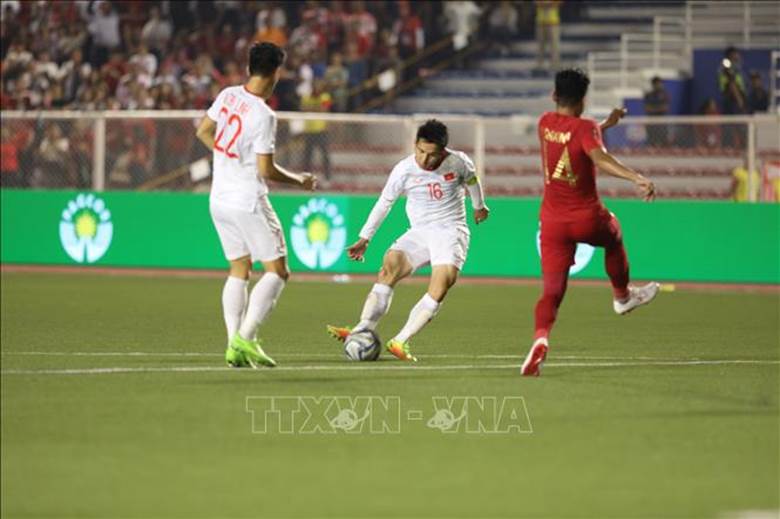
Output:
x=434 y=197
x=246 y=126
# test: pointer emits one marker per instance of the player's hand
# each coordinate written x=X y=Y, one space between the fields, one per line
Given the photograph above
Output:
x=614 y=117
x=308 y=181
x=480 y=215
x=646 y=188
x=357 y=250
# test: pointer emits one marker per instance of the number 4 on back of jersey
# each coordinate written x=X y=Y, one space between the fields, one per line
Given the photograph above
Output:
x=563 y=170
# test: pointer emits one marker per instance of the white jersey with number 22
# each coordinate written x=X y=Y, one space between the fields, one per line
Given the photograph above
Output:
x=246 y=127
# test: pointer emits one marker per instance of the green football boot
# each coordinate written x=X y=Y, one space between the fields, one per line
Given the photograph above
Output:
x=234 y=358
x=251 y=352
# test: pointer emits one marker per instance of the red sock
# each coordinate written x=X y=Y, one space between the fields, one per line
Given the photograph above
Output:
x=547 y=306
x=616 y=263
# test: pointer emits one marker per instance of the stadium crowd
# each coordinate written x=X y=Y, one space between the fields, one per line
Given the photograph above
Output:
x=135 y=54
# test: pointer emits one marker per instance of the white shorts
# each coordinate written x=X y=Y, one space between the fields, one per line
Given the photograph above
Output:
x=434 y=245
x=257 y=234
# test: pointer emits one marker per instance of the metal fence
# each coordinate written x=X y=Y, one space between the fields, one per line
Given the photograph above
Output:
x=705 y=157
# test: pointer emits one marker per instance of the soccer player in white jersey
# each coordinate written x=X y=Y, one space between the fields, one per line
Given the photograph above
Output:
x=240 y=129
x=433 y=180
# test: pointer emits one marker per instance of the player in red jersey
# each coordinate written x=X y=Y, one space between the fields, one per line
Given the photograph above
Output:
x=572 y=211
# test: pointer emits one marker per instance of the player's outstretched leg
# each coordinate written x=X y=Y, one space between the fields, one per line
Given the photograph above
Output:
x=376 y=306
x=395 y=267
x=625 y=298
x=545 y=315
x=442 y=279
x=615 y=258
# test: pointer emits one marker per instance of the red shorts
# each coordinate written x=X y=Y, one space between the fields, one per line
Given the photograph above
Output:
x=559 y=239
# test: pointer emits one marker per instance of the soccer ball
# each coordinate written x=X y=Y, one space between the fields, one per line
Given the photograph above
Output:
x=362 y=345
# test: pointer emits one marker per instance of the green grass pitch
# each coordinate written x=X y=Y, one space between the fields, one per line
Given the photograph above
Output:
x=671 y=411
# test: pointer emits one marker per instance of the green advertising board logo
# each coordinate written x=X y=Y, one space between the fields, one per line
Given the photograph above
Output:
x=86 y=229
x=318 y=233
x=582 y=255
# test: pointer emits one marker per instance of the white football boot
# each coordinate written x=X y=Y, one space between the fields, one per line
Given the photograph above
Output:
x=637 y=296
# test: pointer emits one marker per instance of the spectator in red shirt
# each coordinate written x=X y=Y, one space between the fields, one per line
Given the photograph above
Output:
x=309 y=37
x=12 y=144
x=361 y=42
x=99 y=29
x=409 y=31
x=364 y=23
x=113 y=71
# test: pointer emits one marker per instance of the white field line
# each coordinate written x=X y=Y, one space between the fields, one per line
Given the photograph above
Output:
x=336 y=353
x=375 y=367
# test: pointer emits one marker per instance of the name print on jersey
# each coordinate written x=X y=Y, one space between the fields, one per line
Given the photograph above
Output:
x=556 y=137
x=233 y=125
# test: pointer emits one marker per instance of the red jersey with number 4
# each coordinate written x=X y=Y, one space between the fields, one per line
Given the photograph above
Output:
x=245 y=128
x=569 y=173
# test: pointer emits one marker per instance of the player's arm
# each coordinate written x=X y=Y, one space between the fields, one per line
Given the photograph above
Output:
x=614 y=117
x=481 y=211
x=373 y=222
x=612 y=166
x=390 y=194
x=268 y=169
x=474 y=187
x=205 y=132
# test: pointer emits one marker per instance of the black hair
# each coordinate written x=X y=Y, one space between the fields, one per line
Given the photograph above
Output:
x=264 y=59
x=571 y=85
x=730 y=50
x=433 y=131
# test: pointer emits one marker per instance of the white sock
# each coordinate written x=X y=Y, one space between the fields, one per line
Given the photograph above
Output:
x=377 y=304
x=261 y=302
x=425 y=309
x=234 y=303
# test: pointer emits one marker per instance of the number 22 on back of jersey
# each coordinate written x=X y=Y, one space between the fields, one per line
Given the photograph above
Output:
x=229 y=132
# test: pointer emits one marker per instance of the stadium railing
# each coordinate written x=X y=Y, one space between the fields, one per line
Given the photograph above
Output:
x=703 y=157
x=666 y=46
x=384 y=84
x=449 y=58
